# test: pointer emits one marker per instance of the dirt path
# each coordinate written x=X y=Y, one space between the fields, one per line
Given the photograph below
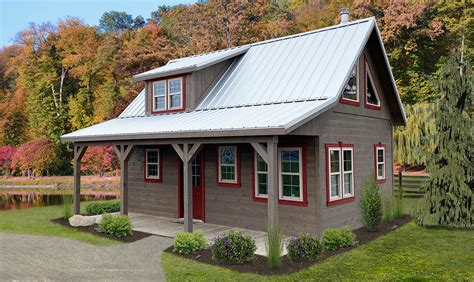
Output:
x=28 y=257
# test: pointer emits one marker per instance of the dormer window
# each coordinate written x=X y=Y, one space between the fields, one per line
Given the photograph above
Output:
x=350 y=94
x=167 y=95
x=372 y=98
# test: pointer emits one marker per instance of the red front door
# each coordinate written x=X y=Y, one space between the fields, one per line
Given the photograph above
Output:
x=197 y=174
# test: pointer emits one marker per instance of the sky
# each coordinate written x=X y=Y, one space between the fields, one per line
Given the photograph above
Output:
x=15 y=15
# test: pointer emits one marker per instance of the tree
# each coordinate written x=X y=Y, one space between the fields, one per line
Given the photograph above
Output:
x=114 y=21
x=6 y=154
x=448 y=196
x=99 y=160
x=37 y=157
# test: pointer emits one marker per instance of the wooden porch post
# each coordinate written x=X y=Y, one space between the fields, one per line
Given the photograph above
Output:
x=187 y=155
x=78 y=154
x=123 y=153
x=273 y=179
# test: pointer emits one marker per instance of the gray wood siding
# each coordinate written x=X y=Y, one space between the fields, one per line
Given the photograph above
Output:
x=363 y=128
x=235 y=206
x=154 y=198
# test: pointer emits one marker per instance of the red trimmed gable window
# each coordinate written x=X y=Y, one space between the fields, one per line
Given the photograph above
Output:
x=350 y=94
x=380 y=162
x=168 y=95
x=372 y=98
x=153 y=165
x=228 y=166
x=339 y=173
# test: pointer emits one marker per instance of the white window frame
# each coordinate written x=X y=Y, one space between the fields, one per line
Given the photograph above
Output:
x=158 y=176
x=155 y=109
x=357 y=87
x=377 y=163
x=227 y=181
x=341 y=190
x=257 y=172
x=347 y=195
x=369 y=76
x=180 y=79
x=300 y=174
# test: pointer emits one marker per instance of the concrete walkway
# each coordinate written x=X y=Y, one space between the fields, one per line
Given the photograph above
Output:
x=169 y=227
x=28 y=257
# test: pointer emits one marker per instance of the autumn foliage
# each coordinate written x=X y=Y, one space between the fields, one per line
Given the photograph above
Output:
x=98 y=160
x=35 y=158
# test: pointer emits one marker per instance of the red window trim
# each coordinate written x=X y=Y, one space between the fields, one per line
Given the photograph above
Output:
x=367 y=105
x=225 y=184
x=343 y=100
x=183 y=78
x=328 y=195
x=304 y=202
x=376 y=146
x=145 y=167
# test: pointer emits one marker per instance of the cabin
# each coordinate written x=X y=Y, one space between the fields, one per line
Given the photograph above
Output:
x=278 y=133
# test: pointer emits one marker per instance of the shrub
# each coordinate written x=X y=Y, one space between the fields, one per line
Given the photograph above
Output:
x=399 y=208
x=233 y=247
x=186 y=243
x=274 y=246
x=304 y=248
x=116 y=225
x=388 y=209
x=336 y=238
x=370 y=205
x=103 y=207
x=67 y=206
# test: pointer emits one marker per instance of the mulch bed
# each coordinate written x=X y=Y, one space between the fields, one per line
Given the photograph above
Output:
x=94 y=229
x=260 y=265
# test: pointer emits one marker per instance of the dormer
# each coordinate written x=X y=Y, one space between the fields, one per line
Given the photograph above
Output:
x=182 y=83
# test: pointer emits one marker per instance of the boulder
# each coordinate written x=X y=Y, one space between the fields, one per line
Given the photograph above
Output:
x=80 y=220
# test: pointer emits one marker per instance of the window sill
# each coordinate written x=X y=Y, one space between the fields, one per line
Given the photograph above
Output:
x=153 y=180
x=349 y=102
x=373 y=107
x=340 y=201
x=283 y=202
x=225 y=184
x=381 y=181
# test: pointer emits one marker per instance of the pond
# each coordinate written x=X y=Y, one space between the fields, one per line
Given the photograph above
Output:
x=11 y=200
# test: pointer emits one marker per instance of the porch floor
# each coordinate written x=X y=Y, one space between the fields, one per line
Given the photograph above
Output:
x=169 y=227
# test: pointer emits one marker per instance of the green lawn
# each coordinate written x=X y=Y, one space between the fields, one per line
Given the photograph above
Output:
x=36 y=221
x=409 y=253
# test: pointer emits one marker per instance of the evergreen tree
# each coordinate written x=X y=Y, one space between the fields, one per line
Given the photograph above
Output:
x=448 y=197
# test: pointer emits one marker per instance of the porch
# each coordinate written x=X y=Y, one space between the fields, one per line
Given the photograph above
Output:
x=169 y=227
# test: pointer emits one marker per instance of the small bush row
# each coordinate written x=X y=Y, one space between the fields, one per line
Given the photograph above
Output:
x=103 y=207
x=116 y=225
x=186 y=243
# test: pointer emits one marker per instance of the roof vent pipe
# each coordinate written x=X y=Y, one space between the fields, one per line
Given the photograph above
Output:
x=344 y=14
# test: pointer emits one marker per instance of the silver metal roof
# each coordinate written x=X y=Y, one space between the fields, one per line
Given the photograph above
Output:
x=192 y=63
x=277 y=118
x=272 y=87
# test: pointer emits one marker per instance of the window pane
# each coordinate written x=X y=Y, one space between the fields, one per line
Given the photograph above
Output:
x=380 y=170
x=175 y=86
x=380 y=155
x=175 y=101
x=160 y=102
x=152 y=170
x=371 y=96
x=227 y=155
x=334 y=159
x=350 y=90
x=228 y=173
x=152 y=156
x=295 y=184
x=334 y=185
x=347 y=160
x=290 y=161
x=262 y=184
x=159 y=88
x=261 y=164
x=347 y=183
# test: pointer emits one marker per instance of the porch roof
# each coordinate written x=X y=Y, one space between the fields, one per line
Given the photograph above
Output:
x=270 y=119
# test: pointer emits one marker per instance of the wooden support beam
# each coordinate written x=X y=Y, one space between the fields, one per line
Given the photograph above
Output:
x=261 y=150
x=123 y=153
x=79 y=152
x=273 y=185
x=178 y=150
x=194 y=151
x=188 y=190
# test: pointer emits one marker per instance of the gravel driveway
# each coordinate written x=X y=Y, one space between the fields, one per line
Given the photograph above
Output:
x=28 y=257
